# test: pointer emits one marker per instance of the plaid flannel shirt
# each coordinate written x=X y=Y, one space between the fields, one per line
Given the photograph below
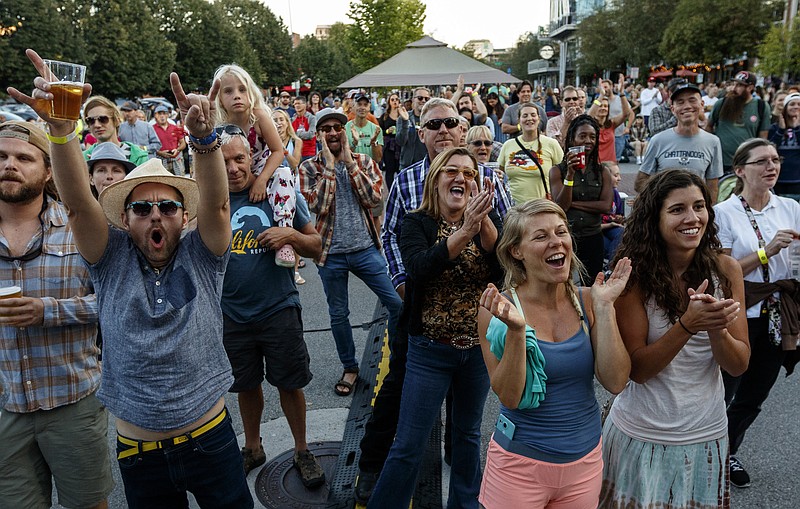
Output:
x=318 y=185
x=53 y=364
x=406 y=195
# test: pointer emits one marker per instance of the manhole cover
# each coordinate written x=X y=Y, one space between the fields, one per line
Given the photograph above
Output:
x=278 y=485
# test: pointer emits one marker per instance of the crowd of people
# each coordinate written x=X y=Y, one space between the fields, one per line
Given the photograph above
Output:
x=487 y=222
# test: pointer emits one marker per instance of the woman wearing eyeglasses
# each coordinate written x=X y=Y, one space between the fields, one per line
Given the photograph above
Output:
x=784 y=134
x=527 y=157
x=756 y=227
x=447 y=247
x=481 y=144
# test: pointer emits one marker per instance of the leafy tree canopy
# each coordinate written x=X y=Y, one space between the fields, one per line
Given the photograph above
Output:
x=382 y=28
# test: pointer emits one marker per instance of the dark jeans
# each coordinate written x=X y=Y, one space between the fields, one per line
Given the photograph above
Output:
x=590 y=251
x=210 y=466
x=744 y=394
x=382 y=425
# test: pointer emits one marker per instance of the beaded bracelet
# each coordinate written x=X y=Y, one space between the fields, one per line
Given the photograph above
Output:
x=209 y=150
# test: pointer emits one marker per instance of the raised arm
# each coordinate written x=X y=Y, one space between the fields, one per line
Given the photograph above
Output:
x=88 y=221
x=213 y=210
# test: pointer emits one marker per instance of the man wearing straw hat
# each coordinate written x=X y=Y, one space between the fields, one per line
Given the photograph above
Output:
x=165 y=371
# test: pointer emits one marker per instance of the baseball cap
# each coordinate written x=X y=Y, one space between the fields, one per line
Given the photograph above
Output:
x=129 y=106
x=26 y=132
x=675 y=83
x=361 y=97
x=745 y=78
x=161 y=108
x=326 y=113
x=684 y=87
x=789 y=98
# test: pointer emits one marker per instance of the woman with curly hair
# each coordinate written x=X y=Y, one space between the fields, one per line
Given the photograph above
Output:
x=585 y=193
x=665 y=442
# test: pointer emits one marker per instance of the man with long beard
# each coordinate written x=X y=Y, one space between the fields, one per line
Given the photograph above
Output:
x=739 y=116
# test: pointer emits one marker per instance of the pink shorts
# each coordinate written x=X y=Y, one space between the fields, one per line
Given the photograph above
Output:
x=511 y=480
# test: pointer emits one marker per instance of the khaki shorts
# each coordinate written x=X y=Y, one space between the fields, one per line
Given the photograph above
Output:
x=68 y=443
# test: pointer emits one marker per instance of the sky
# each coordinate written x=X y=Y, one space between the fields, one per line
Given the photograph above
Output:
x=453 y=23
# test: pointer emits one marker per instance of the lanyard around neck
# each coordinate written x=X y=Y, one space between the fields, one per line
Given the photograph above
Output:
x=754 y=224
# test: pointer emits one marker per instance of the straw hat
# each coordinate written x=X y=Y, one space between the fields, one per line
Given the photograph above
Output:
x=113 y=198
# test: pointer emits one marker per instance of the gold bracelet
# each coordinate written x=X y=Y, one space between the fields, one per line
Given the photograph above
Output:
x=568 y=183
x=60 y=140
x=762 y=255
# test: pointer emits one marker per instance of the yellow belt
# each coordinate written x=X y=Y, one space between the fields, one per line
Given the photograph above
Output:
x=137 y=446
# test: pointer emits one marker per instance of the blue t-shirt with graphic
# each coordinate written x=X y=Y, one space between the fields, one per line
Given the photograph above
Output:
x=255 y=287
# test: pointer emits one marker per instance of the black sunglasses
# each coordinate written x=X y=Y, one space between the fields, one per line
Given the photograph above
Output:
x=478 y=143
x=327 y=128
x=102 y=118
x=233 y=130
x=569 y=99
x=436 y=123
x=422 y=98
x=166 y=207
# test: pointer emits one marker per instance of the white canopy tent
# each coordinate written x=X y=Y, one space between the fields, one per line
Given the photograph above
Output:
x=428 y=62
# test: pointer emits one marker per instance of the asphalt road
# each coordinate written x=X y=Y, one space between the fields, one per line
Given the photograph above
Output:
x=769 y=451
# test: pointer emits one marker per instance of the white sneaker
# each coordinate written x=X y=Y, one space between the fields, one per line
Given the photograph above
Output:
x=639 y=160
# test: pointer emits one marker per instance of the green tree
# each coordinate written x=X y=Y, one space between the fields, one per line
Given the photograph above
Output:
x=130 y=56
x=730 y=29
x=321 y=61
x=204 y=40
x=54 y=28
x=780 y=51
x=598 y=43
x=382 y=28
x=637 y=36
x=527 y=49
x=267 y=36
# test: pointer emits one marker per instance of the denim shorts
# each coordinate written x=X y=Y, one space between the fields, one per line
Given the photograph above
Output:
x=274 y=346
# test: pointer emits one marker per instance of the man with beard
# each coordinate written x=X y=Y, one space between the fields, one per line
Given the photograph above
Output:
x=440 y=130
x=739 y=116
x=48 y=357
x=165 y=371
x=103 y=118
x=341 y=188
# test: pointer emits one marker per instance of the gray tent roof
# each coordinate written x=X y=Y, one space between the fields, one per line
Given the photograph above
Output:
x=428 y=62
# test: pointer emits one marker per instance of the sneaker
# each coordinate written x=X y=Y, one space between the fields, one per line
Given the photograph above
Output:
x=253 y=458
x=311 y=473
x=739 y=476
x=365 y=485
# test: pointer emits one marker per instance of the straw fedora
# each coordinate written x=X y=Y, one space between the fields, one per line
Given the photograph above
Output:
x=113 y=198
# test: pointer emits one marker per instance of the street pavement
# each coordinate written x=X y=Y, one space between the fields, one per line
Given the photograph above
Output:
x=769 y=451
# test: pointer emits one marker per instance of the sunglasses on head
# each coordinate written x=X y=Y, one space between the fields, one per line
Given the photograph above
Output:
x=102 y=118
x=328 y=128
x=233 y=130
x=422 y=98
x=453 y=171
x=478 y=143
x=436 y=123
x=143 y=208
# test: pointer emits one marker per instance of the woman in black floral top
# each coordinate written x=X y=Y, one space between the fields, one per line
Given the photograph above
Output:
x=448 y=252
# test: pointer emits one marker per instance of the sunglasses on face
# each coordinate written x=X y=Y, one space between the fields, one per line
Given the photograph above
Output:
x=102 y=118
x=166 y=207
x=569 y=99
x=453 y=171
x=422 y=98
x=478 y=143
x=436 y=123
x=328 y=128
x=233 y=130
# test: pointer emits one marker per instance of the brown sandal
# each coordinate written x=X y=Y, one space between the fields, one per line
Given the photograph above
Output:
x=343 y=387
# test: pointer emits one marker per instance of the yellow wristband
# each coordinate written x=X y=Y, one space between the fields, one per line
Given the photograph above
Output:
x=762 y=255
x=519 y=127
x=60 y=140
x=597 y=102
x=568 y=183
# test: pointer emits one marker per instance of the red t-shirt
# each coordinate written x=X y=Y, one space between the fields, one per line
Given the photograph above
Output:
x=169 y=137
x=309 y=146
x=608 y=151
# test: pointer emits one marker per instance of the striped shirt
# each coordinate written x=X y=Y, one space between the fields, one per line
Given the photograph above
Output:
x=318 y=185
x=55 y=363
x=406 y=195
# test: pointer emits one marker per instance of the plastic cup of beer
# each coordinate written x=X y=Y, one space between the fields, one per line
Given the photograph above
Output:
x=10 y=292
x=580 y=151
x=66 y=84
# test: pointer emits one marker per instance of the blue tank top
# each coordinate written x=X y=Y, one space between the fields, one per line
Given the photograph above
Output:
x=567 y=421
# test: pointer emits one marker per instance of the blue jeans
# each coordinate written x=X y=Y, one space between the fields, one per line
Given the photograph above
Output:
x=430 y=370
x=210 y=466
x=611 y=240
x=619 y=145
x=369 y=266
